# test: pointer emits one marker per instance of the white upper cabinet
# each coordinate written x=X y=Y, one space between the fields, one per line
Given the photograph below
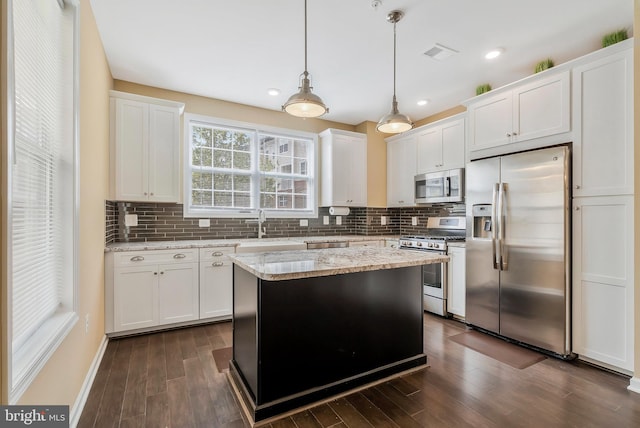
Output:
x=145 y=148
x=344 y=168
x=441 y=146
x=603 y=125
x=401 y=170
x=520 y=112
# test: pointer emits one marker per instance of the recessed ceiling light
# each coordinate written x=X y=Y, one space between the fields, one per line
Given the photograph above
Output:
x=273 y=92
x=423 y=102
x=494 y=53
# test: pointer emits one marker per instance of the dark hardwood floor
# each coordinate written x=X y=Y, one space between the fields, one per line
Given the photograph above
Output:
x=169 y=379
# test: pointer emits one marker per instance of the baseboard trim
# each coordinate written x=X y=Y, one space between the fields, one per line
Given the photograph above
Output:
x=78 y=406
x=634 y=385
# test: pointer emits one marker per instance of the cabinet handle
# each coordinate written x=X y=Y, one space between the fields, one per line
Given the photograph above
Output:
x=161 y=273
x=508 y=135
x=137 y=259
x=217 y=264
x=151 y=193
x=179 y=256
x=577 y=186
x=514 y=134
x=145 y=193
x=155 y=273
x=401 y=202
x=217 y=254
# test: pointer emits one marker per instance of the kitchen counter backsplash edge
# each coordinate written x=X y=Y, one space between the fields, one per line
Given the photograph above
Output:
x=210 y=243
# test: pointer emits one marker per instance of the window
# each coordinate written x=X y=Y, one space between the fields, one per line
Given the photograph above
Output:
x=233 y=169
x=42 y=223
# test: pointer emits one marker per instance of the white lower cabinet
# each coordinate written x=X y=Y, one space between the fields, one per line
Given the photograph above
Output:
x=145 y=289
x=456 y=272
x=603 y=281
x=216 y=282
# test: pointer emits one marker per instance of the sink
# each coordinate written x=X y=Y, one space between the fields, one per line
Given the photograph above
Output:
x=264 y=246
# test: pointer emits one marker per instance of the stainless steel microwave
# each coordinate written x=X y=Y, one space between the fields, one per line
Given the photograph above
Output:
x=442 y=186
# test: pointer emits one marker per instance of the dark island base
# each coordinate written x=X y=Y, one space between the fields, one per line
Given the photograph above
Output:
x=300 y=340
x=267 y=410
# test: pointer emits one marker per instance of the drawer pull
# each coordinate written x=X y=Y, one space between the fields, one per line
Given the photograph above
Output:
x=217 y=264
x=179 y=256
x=217 y=254
x=136 y=258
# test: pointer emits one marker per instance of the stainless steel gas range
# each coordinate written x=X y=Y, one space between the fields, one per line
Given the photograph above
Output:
x=440 y=231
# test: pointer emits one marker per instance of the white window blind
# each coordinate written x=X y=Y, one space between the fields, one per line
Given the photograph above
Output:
x=42 y=183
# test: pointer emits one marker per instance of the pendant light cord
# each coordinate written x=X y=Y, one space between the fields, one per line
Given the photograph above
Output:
x=305 y=37
x=394 y=60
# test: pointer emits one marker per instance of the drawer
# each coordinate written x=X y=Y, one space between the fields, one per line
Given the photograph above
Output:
x=138 y=258
x=214 y=254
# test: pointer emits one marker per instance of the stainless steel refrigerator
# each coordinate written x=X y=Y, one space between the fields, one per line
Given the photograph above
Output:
x=518 y=247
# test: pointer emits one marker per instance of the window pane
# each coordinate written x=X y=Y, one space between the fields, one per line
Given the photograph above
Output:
x=223 y=181
x=300 y=166
x=222 y=139
x=201 y=137
x=300 y=186
x=267 y=163
x=284 y=201
x=299 y=202
x=285 y=185
x=242 y=183
x=267 y=200
x=222 y=199
x=242 y=160
x=243 y=200
x=268 y=184
x=242 y=142
x=300 y=148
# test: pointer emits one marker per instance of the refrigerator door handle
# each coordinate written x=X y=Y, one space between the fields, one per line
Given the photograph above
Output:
x=503 y=220
x=494 y=225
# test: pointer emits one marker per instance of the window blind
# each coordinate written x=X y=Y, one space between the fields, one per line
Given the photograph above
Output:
x=42 y=176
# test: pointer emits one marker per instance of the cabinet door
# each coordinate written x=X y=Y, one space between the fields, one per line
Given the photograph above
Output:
x=178 y=293
x=131 y=150
x=164 y=152
x=490 y=121
x=603 y=126
x=603 y=325
x=216 y=288
x=135 y=295
x=401 y=170
x=453 y=145
x=457 y=281
x=344 y=169
x=429 y=151
x=542 y=108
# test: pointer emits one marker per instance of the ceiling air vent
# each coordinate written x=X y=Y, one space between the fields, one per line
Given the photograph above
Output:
x=440 y=52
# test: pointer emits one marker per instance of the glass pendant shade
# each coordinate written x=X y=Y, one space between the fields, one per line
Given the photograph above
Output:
x=305 y=103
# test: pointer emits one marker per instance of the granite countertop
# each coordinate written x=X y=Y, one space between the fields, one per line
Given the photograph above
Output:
x=207 y=243
x=283 y=265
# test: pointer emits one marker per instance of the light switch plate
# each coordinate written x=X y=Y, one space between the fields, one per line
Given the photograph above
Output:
x=338 y=220
x=204 y=222
x=130 y=220
x=325 y=219
x=414 y=221
x=304 y=222
x=383 y=220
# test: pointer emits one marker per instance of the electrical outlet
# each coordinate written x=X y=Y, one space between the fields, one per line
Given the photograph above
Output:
x=338 y=220
x=86 y=323
x=304 y=222
x=204 y=222
x=383 y=220
x=325 y=220
x=414 y=221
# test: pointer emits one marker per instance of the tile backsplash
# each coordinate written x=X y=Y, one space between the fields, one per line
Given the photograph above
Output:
x=165 y=222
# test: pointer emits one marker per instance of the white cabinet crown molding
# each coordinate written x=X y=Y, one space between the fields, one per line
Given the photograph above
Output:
x=148 y=100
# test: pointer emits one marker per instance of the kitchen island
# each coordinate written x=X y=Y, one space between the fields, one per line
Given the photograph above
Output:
x=311 y=324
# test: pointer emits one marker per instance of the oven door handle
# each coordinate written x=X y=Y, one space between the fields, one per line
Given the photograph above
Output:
x=494 y=226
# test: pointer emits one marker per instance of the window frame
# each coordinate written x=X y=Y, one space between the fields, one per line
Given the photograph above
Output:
x=256 y=130
x=24 y=364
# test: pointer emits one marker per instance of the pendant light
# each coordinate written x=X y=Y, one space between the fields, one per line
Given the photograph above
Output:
x=394 y=122
x=304 y=103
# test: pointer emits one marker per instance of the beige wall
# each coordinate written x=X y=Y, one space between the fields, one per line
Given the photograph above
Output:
x=61 y=379
x=636 y=121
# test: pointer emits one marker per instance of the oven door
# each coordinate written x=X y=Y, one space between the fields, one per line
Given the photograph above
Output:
x=434 y=279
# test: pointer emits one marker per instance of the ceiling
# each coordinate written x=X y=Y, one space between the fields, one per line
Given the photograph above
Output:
x=236 y=50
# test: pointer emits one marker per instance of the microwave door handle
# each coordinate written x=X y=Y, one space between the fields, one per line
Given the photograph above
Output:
x=447 y=186
x=494 y=225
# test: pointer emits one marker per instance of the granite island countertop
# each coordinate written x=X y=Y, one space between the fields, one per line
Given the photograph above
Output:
x=284 y=265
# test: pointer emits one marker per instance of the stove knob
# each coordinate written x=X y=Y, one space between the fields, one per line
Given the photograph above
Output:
x=419 y=244
x=430 y=244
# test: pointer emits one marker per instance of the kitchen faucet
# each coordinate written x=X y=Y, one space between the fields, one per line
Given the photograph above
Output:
x=262 y=217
